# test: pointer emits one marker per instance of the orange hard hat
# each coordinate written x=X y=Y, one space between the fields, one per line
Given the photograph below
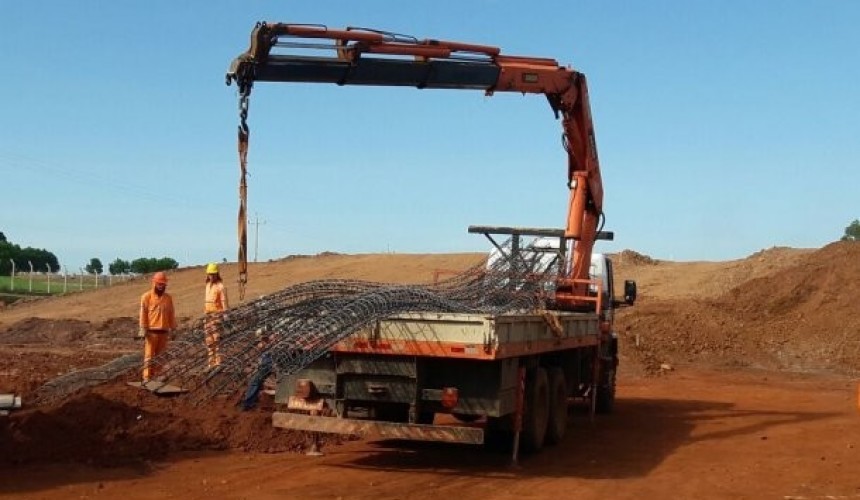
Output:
x=159 y=278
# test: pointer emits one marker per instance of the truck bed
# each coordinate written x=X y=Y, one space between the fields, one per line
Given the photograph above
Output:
x=474 y=336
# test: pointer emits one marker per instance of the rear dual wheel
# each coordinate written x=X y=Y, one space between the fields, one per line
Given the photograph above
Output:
x=535 y=411
x=557 y=425
x=544 y=413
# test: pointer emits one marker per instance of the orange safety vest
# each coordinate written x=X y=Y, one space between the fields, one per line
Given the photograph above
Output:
x=216 y=298
x=156 y=312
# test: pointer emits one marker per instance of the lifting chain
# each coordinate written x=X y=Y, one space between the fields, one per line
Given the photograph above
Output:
x=244 y=133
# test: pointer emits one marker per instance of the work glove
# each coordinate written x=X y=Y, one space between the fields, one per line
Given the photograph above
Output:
x=141 y=333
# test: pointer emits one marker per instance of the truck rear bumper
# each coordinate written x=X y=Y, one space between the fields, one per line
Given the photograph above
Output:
x=372 y=428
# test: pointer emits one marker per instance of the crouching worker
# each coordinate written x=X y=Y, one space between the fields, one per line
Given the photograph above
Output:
x=157 y=319
x=264 y=369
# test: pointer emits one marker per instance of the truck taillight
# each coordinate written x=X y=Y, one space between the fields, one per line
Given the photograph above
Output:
x=450 y=397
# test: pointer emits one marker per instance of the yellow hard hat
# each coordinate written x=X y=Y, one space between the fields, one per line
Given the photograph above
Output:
x=212 y=268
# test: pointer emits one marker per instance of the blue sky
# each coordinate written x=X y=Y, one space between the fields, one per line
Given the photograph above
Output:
x=723 y=127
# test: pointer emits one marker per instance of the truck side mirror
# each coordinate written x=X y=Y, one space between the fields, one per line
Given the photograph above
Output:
x=629 y=292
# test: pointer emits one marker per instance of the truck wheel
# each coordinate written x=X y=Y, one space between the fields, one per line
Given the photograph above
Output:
x=606 y=389
x=557 y=425
x=536 y=411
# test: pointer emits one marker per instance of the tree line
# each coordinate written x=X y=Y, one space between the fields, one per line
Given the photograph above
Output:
x=43 y=260
x=39 y=257
x=143 y=265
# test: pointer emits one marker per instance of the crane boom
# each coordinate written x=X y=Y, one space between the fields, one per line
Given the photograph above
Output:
x=360 y=56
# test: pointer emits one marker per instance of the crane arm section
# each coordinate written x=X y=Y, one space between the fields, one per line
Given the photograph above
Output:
x=358 y=56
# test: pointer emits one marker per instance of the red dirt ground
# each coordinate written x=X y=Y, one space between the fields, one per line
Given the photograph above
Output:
x=758 y=402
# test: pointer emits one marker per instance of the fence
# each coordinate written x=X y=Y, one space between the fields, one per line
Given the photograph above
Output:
x=42 y=283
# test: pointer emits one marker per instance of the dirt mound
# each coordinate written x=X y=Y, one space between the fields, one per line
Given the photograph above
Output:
x=679 y=331
x=25 y=369
x=824 y=285
x=122 y=328
x=38 y=330
x=799 y=317
x=810 y=309
x=116 y=424
x=771 y=254
x=632 y=257
x=67 y=331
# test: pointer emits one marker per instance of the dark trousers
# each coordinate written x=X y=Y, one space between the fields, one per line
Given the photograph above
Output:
x=252 y=394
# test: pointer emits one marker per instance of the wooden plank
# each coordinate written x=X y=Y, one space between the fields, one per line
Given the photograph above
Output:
x=159 y=388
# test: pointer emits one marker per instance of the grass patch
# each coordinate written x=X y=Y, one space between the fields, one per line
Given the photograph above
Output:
x=41 y=285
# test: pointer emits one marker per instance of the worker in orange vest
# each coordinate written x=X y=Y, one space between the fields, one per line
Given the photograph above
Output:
x=214 y=306
x=157 y=319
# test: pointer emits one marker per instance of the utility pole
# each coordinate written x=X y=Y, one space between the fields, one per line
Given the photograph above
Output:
x=257 y=223
x=13 y=274
x=65 y=278
x=30 y=276
x=49 y=277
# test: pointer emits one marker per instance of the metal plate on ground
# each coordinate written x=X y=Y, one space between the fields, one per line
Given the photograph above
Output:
x=159 y=388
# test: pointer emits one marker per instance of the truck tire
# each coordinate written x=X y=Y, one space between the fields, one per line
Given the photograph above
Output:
x=606 y=388
x=536 y=410
x=557 y=425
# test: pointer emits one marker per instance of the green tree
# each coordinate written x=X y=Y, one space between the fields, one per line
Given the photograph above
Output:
x=166 y=264
x=142 y=265
x=852 y=231
x=95 y=266
x=146 y=265
x=119 y=266
x=40 y=258
x=7 y=251
x=2 y=237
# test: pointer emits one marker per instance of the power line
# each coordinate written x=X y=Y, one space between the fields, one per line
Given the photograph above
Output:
x=256 y=224
x=17 y=162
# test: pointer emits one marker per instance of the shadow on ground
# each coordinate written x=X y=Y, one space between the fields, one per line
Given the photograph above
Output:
x=630 y=443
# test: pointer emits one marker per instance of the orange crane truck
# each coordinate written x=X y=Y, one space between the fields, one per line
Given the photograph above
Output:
x=504 y=378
